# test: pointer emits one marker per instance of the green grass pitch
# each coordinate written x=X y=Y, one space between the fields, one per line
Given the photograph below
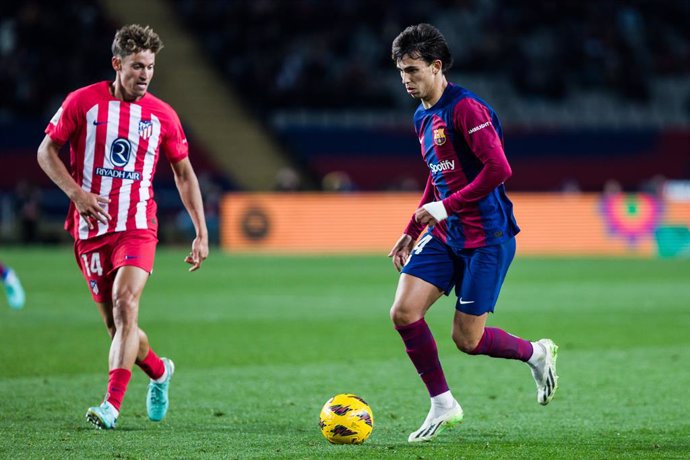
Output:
x=260 y=343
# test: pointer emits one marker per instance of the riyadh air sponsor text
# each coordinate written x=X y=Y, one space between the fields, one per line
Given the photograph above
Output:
x=118 y=174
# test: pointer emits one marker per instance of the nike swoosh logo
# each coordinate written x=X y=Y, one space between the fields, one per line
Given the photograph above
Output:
x=463 y=302
x=96 y=123
x=131 y=257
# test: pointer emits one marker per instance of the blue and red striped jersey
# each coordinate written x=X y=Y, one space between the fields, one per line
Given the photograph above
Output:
x=462 y=144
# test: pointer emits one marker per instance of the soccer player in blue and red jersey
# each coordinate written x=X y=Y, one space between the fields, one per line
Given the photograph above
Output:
x=116 y=131
x=470 y=241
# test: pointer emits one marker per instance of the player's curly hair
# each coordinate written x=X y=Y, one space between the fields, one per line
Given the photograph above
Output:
x=422 y=41
x=134 y=38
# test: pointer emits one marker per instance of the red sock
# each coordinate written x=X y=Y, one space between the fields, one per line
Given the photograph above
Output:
x=152 y=365
x=497 y=343
x=117 y=386
x=421 y=348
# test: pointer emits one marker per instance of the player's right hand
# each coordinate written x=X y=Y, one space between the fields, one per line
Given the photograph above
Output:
x=89 y=207
x=401 y=251
x=198 y=254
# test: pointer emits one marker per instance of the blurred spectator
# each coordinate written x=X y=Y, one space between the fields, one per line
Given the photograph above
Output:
x=570 y=186
x=407 y=184
x=337 y=181
x=28 y=209
x=288 y=180
x=612 y=187
x=654 y=185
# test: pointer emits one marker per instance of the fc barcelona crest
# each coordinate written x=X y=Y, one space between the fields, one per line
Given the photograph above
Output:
x=145 y=129
x=439 y=136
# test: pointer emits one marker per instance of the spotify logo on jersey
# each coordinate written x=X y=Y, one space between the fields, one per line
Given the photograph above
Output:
x=120 y=150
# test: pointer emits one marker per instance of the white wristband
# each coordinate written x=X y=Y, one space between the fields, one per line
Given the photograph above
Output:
x=437 y=210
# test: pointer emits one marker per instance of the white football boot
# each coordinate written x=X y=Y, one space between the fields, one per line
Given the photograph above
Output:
x=437 y=421
x=544 y=371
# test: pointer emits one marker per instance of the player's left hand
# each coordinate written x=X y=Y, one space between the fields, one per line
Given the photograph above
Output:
x=423 y=216
x=198 y=254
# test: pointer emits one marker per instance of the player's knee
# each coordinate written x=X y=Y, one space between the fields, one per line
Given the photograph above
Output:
x=125 y=308
x=402 y=316
x=464 y=343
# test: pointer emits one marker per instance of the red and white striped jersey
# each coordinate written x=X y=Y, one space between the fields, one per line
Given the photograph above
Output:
x=114 y=149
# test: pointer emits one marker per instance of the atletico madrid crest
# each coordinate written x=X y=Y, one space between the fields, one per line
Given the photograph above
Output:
x=145 y=129
x=439 y=136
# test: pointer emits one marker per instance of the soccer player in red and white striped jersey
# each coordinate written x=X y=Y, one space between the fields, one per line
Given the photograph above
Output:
x=116 y=131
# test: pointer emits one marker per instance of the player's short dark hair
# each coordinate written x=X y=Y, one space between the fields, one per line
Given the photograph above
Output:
x=134 y=38
x=422 y=41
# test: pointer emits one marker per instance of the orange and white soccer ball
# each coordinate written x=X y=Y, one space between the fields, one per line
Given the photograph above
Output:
x=346 y=419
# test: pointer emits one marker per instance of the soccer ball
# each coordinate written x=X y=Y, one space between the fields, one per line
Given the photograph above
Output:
x=346 y=419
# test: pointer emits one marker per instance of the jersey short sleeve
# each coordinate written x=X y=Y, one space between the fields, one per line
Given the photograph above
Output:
x=64 y=122
x=174 y=145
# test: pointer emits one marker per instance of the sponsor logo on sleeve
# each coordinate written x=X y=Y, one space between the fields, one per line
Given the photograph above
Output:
x=477 y=128
x=56 y=117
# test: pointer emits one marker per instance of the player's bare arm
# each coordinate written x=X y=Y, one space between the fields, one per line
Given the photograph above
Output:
x=401 y=251
x=190 y=193
x=88 y=204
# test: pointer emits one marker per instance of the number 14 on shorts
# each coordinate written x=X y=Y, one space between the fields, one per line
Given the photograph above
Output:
x=93 y=266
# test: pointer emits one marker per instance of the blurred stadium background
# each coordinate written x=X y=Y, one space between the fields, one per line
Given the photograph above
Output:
x=301 y=96
x=301 y=135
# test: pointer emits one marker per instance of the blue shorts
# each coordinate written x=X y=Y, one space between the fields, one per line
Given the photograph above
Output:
x=477 y=274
